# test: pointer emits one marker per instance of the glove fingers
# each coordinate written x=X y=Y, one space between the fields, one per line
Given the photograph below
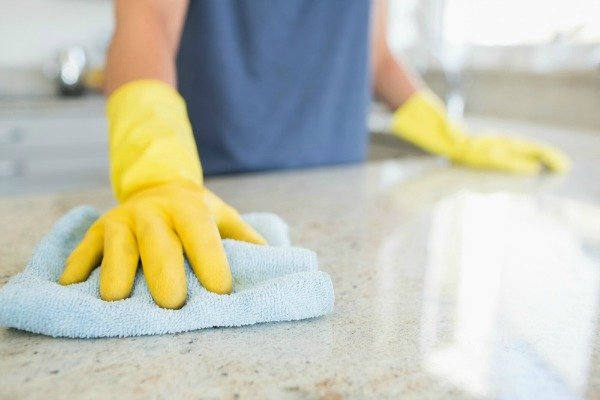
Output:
x=162 y=260
x=86 y=256
x=551 y=158
x=121 y=258
x=232 y=226
x=504 y=154
x=230 y=223
x=518 y=164
x=203 y=247
x=508 y=159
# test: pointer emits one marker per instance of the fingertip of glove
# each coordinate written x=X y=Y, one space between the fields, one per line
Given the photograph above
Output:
x=259 y=240
x=563 y=170
x=561 y=167
x=171 y=302
x=64 y=280
x=113 y=293
x=219 y=286
x=68 y=278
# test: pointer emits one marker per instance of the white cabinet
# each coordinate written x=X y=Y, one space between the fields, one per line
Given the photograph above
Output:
x=53 y=146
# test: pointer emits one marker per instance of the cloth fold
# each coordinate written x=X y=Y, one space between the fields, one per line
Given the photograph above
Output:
x=271 y=283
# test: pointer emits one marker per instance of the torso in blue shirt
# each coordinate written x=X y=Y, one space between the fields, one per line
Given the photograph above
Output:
x=276 y=83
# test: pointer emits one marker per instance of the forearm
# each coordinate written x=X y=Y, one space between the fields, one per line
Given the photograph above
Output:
x=145 y=42
x=150 y=137
x=394 y=82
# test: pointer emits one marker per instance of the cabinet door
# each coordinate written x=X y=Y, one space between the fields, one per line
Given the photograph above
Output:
x=52 y=152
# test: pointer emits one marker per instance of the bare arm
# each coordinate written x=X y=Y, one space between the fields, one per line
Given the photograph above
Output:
x=145 y=41
x=393 y=81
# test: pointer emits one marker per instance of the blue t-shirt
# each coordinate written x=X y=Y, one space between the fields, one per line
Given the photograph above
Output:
x=273 y=84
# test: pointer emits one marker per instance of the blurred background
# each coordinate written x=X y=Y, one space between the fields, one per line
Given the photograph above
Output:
x=532 y=61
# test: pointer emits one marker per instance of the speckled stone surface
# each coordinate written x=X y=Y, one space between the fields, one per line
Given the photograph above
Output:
x=370 y=226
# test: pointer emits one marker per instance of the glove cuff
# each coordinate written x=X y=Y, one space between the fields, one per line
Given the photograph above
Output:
x=150 y=138
x=422 y=120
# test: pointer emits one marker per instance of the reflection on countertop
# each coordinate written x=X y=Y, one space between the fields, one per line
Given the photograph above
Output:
x=445 y=288
x=511 y=295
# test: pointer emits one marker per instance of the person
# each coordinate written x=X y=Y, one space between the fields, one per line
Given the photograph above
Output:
x=262 y=84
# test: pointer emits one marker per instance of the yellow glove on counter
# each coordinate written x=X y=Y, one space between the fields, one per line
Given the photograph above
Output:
x=164 y=209
x=422 y=120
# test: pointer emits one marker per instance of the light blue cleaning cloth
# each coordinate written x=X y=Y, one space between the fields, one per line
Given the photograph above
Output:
x=271 y=283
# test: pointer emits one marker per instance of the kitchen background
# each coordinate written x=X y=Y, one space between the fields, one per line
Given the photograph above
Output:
x=532 y=62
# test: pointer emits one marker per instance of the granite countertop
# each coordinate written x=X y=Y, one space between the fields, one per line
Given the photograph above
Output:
x=396 y=330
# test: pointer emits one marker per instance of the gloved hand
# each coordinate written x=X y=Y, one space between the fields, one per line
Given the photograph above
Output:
x=164 y=208
x=422 y=120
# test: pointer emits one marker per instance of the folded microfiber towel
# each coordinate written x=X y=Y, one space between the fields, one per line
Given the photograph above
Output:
x=271 y=283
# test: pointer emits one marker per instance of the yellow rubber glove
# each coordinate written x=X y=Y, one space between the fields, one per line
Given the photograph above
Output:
x=422 y=120
x=164 y=209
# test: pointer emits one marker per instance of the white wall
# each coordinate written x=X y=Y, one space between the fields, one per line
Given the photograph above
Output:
x=31 y=31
